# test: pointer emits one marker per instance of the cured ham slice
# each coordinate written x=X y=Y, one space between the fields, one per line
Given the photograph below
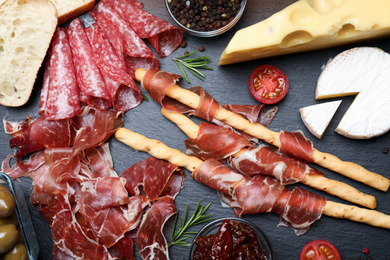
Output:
x=296 y=145
x=62 y=99
x=137 y=53
x=89 y=78
x=215 y=142
x=150 y=239
x=163 y=36
x=252 y=195
x=254 y=113
x=87 y=205
x=33 y=135
x=154 y=177
x=265 y=160
x=124 y=96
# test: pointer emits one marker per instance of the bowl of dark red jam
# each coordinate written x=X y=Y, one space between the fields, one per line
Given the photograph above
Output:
x=231 y=238
x=206 y=18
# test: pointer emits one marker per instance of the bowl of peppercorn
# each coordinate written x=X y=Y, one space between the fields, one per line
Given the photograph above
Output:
x=205 y=18
x=231 y=238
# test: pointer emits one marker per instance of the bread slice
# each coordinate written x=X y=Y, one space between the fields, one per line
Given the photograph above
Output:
x=26 y=29
x=69 y=9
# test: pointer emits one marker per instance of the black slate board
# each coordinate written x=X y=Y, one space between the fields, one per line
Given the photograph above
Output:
x=228 y=84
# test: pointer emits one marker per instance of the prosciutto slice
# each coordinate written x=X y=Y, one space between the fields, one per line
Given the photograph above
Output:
x=252 y=195
x=154 y=177
x=62 y=98
x=33 y=135
x=215 y=142
x=163 y=36
x=137 y=53
x=265 y=160
x=89 y=78
x=296 y=145
x=152 y=244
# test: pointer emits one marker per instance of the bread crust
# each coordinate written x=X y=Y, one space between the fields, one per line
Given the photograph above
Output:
x=63 y=18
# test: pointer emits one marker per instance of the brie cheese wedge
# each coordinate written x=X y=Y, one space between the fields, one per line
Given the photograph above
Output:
x=317 y=117
x=364 y=72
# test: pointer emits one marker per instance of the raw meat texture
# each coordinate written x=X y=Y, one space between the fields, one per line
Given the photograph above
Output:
x=254 y=113
x=154 y=177
x=150 y=239
x=33 y=135
x=163 y=36
x=252 y=195
x=265 y=160
x=215 y=142
x=87 y=205
x=89 y=78
x=62 y=98
x=296 y=145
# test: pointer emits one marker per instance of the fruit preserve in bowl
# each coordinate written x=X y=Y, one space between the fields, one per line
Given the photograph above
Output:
x=231 y=238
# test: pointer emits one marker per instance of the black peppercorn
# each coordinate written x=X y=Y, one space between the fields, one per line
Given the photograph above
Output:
x=217 y=13
x=385 y=150
x=201 y=48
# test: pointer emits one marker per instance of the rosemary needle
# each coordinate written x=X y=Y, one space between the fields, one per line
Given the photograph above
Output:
x=193 y=65
x=180 y=236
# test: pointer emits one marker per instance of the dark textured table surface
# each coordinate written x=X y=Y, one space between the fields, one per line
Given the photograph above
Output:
x=228 y=84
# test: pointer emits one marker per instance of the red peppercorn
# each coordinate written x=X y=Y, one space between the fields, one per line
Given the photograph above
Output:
x=366 y=251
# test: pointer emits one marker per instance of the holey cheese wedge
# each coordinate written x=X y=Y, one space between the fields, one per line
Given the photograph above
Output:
x=364 y=72
x=310 y=25
x=317 y=117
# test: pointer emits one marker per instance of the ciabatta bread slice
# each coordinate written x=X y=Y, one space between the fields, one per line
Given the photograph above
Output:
x=26 y=29
x=69 y=9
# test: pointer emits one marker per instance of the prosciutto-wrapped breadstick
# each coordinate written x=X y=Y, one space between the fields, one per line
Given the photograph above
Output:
x=247 y=195
x=272 y=165
x=160 y=85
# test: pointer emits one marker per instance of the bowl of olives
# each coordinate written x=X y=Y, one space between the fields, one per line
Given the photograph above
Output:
x=17 y=235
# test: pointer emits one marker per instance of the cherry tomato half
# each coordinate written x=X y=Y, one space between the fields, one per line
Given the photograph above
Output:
x=268 y=84
x=319 y=250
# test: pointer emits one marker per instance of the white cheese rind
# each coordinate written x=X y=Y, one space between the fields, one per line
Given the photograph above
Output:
x=310 y=25
x=317 y=117
x=363 y=71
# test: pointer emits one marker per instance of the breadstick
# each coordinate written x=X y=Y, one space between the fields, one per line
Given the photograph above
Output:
x=329 y=161
x=161 y=151
x=336 y=188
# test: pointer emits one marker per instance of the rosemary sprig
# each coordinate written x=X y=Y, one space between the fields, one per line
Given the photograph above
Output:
x=193 y=65
x=180 y=236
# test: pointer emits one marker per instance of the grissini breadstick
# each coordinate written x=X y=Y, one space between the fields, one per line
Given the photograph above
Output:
x=319 y=182
x=162 y=151
x=329 y=161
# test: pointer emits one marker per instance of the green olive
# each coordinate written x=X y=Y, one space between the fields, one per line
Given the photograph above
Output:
x=18 y=252
x=13 y=219
x=8 y=237
x=7 y=203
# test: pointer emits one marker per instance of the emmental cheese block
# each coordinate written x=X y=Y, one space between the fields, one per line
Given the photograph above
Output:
x=308 y=25
x=364 y=72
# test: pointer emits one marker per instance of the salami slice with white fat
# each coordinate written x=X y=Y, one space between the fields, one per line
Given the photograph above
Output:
x=63 y=95
x=108 y=52
x=123 y=97
x=137 y=53
x=163 y=36
x=89 y=78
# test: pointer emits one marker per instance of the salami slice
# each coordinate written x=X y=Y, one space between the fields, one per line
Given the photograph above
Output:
x=108 y=52
x=89 y=78
x=45 y=85
x=63 y=95
x=163 y=36
x=123 y=97
x=137 y=53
